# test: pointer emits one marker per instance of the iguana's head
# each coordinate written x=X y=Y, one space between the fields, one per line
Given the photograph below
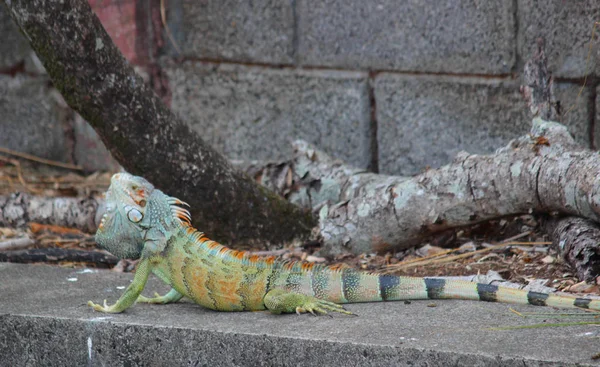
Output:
x=122 y=225
x=131 y=194
x=132 y=207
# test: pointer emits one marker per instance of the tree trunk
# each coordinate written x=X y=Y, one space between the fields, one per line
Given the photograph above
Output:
x=143 y=134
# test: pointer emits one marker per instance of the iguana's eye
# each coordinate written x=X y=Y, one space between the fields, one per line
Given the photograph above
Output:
x=134 y=187
x=134 y=215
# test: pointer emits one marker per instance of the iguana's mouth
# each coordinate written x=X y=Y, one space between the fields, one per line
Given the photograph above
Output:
x=102 y=221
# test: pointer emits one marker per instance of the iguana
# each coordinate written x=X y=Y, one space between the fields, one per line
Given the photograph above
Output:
x=143 y=223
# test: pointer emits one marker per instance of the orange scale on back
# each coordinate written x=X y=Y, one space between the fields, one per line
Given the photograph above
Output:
x=307 y=266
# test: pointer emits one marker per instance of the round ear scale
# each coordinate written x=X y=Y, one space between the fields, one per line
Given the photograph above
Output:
x=134 y=215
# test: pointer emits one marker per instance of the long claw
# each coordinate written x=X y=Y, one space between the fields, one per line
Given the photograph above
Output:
x=320 y=308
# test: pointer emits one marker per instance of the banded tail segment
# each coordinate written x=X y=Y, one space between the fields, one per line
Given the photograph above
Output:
x=359 y=287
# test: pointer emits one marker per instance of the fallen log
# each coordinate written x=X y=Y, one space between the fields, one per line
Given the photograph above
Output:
x=55 y=255
x=18 y=209
x=578 y=242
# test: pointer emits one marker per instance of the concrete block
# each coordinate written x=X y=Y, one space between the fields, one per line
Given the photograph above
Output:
x=566 y=27
x=255 y=113
x=425 y=120
x=576 y=111
x=425 y=36
x=32 y=121
x=260 y=31
x=44 y=321
x=14 y=47
x=596 y=127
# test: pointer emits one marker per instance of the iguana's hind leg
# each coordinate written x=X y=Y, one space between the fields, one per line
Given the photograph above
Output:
x=171 y=296
x=281 y=301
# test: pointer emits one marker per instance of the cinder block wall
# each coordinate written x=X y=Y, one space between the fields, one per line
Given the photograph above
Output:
x=392 y=86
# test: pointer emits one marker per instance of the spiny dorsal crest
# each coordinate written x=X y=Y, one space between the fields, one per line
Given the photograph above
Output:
x=246 y=258
x=179 y=213
x=249 y=259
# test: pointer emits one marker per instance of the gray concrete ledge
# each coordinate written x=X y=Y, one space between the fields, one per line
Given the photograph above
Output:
x=44 y=321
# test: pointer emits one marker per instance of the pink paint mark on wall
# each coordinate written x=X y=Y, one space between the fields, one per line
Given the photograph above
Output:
x=119 y=19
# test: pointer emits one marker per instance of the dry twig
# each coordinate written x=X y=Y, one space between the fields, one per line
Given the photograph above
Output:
x=40 y=160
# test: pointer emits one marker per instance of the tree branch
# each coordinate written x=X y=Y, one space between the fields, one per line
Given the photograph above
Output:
x=544 y=171
x=577 y=239
x=18 y=209
x=54 y=255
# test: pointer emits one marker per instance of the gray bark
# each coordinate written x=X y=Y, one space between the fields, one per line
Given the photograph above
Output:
x=538 y=86
x=577 y=240
x=143 y=134
x=18 y=209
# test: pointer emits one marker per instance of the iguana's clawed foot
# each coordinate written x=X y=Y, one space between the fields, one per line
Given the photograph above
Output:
x=172 y=296
x=106 y=308
x=281 y=301
x=157 y=299
x=319 y=307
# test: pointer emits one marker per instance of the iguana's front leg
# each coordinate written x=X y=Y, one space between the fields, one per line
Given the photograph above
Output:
x=131 y=293
x=281 y=301
x=171 y=296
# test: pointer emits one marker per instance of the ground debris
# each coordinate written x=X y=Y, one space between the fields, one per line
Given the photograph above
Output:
x=44 y=243
x=50 y=181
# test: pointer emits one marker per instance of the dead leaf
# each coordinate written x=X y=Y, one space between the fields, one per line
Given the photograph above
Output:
x=582 y=287
x=37 y=227
x=7 y=232
x=548 y=260
x=542 y=140
x=429 y=250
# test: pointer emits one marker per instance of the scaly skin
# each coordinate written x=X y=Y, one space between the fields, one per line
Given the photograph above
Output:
x=143 y=223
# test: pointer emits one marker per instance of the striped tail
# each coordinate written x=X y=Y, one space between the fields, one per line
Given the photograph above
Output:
x=358 y=287
x=440 y=288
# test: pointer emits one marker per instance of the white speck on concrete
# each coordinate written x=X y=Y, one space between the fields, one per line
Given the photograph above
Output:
x=72 y=279
x=101 y=318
